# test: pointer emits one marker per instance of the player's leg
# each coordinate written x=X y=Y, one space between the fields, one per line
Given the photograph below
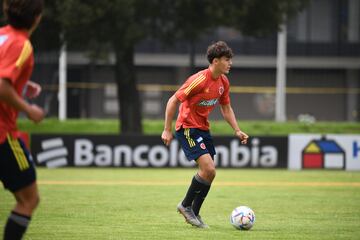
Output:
x=199 y=188
x=18 y=175
x=206 y=174
x=189 y=145
x=206 y=171
x=201 y=180
x=195 y=149
x=186 y=206
x=27 y=199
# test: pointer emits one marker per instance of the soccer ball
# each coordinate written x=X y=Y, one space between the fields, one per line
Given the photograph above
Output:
x=242 y=218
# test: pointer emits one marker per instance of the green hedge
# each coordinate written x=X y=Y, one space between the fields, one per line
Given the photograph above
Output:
x=154 y=127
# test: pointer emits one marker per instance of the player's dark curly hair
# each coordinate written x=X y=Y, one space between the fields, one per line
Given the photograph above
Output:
x=22 y=13
x=218 y=50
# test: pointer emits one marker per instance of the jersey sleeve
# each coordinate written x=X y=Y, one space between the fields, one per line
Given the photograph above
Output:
x=225 y=97
x=192 y=86
x=14 y=59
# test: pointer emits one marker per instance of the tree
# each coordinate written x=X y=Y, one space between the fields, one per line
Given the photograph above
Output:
x=118 y=25
x=192 y=19
x=112 y=26
x=47 y=35
x=259 y=18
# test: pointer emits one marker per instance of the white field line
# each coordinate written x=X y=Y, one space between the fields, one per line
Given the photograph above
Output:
x=181 y=183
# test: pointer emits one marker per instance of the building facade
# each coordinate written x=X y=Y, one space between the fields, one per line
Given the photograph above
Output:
x=323 y=71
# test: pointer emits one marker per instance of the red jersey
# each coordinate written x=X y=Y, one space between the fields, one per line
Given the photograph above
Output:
x=16 y=65
x=198 y=96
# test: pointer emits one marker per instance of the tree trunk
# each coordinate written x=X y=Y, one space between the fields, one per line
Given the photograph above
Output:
x=128 y=95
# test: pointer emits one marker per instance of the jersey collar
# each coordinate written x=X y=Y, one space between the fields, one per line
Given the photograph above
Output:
x=211 y=77
x=18 y=31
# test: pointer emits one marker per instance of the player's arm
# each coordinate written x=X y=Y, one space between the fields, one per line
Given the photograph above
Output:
x=229 y=116
x=170 y=111
x=10 y=96
x=32 y=89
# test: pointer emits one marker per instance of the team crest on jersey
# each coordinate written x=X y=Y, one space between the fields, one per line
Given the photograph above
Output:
x=202 y=146
x=221 y=90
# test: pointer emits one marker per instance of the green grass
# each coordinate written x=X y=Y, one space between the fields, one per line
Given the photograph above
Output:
x=140 y=204
x=96 y=126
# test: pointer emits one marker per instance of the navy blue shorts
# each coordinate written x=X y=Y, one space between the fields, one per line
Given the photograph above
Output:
x=16 y=166
x=195 y=142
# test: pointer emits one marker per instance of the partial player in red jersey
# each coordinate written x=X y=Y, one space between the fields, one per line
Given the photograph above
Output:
x=17 y=171
x=197 y=97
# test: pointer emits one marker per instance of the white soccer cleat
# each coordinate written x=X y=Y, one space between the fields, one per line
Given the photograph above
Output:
x=189 y=215
x=203 y=225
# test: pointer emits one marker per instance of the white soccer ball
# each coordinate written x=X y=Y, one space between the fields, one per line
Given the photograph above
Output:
x=242 y=218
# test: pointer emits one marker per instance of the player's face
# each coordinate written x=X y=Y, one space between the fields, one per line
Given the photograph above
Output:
x=224 y=64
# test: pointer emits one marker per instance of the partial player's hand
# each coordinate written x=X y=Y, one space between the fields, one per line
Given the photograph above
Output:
x=166 y=137
x=243 y=136
x=35 y=113
x=32 y=90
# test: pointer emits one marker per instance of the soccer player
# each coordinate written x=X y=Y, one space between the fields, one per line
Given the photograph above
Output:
x=198 y=97
x=17 y=172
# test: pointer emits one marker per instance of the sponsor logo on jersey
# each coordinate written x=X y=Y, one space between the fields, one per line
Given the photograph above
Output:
x=208 y=103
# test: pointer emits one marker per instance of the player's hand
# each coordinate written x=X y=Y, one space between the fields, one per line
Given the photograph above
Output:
x=243 y=136
x=167 y=137
x=35 y=113
x=32 y=90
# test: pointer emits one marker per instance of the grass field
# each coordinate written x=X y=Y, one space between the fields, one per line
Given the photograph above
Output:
x=140 y=204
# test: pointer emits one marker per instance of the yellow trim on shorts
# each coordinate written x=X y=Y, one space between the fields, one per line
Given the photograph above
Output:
x=18 y=153
x=187 y=135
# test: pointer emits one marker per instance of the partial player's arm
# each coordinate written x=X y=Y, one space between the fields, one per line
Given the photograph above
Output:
x=229 y=116
x=32 y=89
x=170 y=111
x=10 y=96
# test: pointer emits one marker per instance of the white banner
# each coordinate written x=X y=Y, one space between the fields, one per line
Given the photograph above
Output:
x=330 y=151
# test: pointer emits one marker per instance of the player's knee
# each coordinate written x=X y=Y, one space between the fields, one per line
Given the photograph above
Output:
x=36 y=201
x=33 y=203
x=30 y=203
x=211 y=173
